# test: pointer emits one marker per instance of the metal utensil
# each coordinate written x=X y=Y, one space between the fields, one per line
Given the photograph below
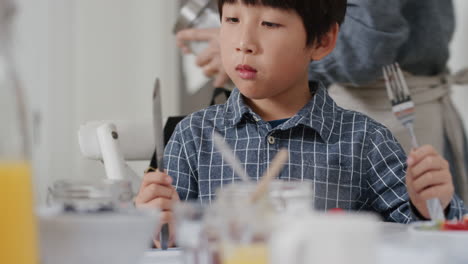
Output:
x=403 y=108
x=159 y=146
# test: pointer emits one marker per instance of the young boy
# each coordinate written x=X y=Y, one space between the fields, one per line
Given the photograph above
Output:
x=354 y=162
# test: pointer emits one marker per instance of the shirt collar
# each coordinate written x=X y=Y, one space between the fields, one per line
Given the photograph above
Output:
x=318 y=114
x=236 y=109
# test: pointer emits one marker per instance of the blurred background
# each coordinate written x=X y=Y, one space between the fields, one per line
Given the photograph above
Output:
x=97 y=60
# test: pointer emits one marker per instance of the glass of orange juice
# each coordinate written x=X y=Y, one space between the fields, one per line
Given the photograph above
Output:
x=251 y=253
x=18 y=240
x=17 y=221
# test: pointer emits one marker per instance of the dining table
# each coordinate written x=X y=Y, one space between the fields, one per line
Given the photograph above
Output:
x=397 y=243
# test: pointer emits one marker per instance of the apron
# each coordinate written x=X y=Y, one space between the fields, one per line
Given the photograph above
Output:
x=437 y=122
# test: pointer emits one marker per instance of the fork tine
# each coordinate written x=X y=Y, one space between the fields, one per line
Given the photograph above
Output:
x=402 y=80
x=387 y=85
x=398 y=90
x=391 y=78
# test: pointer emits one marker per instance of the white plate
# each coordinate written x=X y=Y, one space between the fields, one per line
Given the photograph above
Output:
x=438 y=238
x=170 y=256
x=419 y=227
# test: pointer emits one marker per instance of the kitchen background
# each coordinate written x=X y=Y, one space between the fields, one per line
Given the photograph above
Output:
x=97 y=60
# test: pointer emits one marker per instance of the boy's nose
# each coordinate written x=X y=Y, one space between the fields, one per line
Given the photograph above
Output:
x=247 y=48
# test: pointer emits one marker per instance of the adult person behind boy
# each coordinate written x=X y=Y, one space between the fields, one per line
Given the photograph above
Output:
x=377 y=33
x=417 y=35
x=266 y=47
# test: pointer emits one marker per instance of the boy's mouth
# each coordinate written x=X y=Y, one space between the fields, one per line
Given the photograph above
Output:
x=246 y=72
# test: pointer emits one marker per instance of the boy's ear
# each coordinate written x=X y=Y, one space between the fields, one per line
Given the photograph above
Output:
x=326 y=45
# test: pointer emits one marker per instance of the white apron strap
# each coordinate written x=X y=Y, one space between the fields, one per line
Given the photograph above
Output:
x=454 y=130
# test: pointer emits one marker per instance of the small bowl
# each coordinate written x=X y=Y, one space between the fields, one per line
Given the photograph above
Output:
x=95 y=238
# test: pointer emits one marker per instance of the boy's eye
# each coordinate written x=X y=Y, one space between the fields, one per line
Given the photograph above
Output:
x=231 y=19
x=270 y=24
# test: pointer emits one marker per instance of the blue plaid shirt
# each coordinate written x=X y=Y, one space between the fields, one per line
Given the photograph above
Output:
x=354 y=162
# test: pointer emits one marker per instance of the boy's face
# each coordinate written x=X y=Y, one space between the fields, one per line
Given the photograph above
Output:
x=264 y=50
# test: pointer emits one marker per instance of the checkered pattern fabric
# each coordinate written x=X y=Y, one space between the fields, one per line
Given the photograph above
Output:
x=354 y=162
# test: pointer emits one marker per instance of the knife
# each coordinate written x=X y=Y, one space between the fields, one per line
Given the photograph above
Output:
x=159 y=147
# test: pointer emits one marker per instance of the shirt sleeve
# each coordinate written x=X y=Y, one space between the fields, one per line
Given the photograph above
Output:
x=386 y=178
x=387 y=194
x=370 y=37
x=456 y=209
x=181 y=166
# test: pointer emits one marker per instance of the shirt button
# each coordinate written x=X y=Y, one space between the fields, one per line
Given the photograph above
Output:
x=256 y=119
x=271 y=140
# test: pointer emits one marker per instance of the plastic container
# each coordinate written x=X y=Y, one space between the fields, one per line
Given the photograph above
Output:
x=198 y=14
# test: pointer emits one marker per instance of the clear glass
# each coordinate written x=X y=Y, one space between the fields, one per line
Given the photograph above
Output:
x=244 y=227
x=190 y=235
x=18 y=241
x=101 y=195
x=233 y=229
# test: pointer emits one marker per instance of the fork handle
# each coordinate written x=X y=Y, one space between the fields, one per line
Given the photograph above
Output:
x=414 y=141
x=436 y=212
x=433 y=205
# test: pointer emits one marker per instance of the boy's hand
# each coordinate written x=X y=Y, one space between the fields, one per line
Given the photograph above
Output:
x=209 y=59
x=428 y=176
x=156 y=192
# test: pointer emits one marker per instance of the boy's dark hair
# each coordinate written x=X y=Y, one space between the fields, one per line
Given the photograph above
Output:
x=318 y=16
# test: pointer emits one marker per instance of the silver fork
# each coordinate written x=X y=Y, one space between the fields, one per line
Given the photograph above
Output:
x=403 y=108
